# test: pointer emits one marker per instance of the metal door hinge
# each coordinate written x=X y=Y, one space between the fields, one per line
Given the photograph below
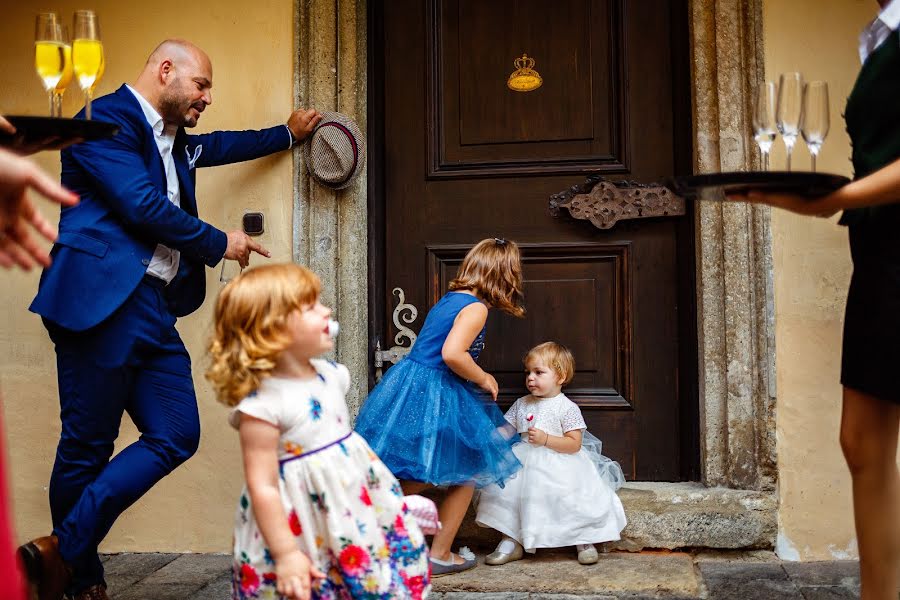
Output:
x=407 y=313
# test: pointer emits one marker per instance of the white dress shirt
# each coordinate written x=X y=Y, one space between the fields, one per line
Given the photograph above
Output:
x=887 y=21
x=164 y=263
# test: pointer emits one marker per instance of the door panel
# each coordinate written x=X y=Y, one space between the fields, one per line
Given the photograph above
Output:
x=456 y=156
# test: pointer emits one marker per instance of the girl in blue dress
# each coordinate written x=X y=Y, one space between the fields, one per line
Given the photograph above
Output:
x=424 y=418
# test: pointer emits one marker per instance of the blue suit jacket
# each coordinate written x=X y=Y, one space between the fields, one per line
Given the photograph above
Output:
x=106 y=241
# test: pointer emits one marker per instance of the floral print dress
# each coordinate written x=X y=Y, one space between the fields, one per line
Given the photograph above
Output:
x=344 y=507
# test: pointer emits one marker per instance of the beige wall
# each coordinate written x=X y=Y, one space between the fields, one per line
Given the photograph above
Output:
x=812 y=271
x=252 y=51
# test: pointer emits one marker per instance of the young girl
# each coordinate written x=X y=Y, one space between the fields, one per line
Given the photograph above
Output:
x=318 y=504
x=424 y=418
x=565 y=494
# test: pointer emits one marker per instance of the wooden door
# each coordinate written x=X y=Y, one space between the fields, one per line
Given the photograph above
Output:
x=457 y=156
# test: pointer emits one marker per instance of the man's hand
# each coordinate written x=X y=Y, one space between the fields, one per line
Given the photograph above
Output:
x=239 y=247
x=302 y=122
x=17 y=212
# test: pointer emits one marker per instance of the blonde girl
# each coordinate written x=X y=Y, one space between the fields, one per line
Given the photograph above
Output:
x=320 y=515
x=565 y=494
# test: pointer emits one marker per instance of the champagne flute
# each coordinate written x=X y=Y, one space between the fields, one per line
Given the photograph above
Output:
x=99 y=73
x=49 y=55
x=66 y=78
x=764 y=124
x=789 y=110
x=815 y=123
x=87 y=54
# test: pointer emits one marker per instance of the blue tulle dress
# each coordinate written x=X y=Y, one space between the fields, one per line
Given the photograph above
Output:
x=427 y=424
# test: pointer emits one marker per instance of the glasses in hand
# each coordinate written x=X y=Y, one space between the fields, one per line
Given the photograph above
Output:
x=230 y=270
x=49 y=53
x=87 y=54
x=764 y=125
x=789 y=109
x=815 y=121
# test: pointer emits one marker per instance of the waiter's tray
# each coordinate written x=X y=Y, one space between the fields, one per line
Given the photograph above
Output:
x=45 y=133
x=716 y=186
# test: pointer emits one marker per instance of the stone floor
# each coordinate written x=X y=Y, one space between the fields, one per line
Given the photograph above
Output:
x=550 y=575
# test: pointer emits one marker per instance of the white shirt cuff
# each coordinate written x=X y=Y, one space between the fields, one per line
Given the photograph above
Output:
x=290 y=137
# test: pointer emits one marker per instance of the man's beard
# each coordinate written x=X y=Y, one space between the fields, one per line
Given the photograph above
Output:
x=174 y=108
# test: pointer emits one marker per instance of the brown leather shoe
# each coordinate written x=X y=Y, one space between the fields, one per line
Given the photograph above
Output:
x=95 y=592
x=47 y=574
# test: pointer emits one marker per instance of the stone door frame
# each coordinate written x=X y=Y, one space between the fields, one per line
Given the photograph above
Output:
x=735 y=301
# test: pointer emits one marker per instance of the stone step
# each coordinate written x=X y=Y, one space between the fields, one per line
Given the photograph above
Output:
x=549 y=575
x=677 y=516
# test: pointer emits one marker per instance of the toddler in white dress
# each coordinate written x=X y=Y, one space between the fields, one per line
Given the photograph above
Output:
x=565 y=494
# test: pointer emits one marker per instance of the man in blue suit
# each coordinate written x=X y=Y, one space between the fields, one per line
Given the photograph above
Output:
x=129 y=260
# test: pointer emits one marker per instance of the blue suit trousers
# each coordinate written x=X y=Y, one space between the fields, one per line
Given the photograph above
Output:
x=132 y=362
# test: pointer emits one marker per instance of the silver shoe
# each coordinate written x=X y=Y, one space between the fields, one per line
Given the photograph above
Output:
x=501 y=558
x=439 y=570
x=588 y=556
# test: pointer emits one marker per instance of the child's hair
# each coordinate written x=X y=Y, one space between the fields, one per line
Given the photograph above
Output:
x=556 y=356
x=493 y=270
x=251 y=326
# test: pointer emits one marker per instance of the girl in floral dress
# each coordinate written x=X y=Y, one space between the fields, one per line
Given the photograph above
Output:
x=320 y=516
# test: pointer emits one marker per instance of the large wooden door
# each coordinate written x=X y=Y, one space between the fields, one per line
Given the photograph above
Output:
x=456 y=156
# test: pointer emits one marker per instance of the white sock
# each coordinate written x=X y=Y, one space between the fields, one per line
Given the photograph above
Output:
x=507 y=545
x=445 y=563
x=581 y=547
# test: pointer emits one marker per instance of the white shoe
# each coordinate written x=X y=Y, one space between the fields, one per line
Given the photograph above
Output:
x=587 y=554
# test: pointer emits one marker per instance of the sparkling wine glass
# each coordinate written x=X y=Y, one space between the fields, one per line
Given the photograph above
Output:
x=49 y=55
x=815 y=122
x=87 y=54
x=789 y=109
x=67 y=73
x=764 y=124
x=99 y=73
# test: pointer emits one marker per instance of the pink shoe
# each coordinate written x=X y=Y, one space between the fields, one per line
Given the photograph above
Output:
x=424 y=512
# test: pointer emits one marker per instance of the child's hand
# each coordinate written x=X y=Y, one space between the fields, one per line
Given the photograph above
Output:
x=537 y=436
x=294 y=572
x=489 y=384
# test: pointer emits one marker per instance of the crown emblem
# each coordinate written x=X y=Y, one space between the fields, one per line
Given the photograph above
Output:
x=524 y=78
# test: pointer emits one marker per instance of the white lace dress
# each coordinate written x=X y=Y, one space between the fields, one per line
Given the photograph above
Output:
x=344 y=507
x=556 y=499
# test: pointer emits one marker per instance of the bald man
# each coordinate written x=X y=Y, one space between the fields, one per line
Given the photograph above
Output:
x=129 y=260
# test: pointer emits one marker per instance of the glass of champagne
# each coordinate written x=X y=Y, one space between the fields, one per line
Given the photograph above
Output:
x=764 y=124
x=66 y=78
x=815 y=122
x=99 y=73
x=87 y=54
x=789 y=109
x=49 y=55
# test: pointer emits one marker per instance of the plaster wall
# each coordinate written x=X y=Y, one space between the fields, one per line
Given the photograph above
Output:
x=254 y=86
x=252 y=48
x=812 y=269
